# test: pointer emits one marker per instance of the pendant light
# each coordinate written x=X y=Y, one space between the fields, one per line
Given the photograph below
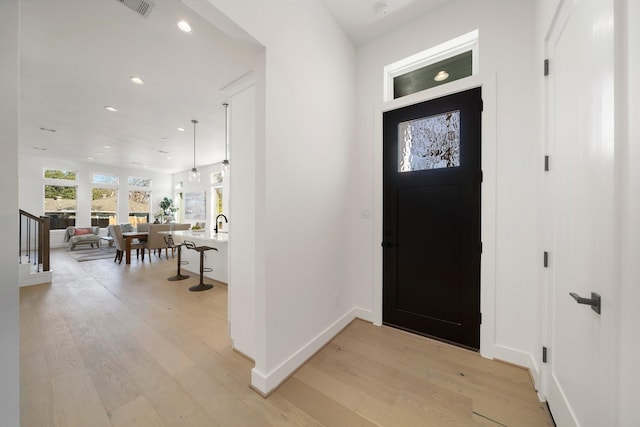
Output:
x=225 y=162
x=194 y=175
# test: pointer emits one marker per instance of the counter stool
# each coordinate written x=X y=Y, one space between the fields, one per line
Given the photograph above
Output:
x=171 y=244
x=200 y=286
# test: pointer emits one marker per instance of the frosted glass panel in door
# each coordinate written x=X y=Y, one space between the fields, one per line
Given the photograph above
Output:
x=430 y=142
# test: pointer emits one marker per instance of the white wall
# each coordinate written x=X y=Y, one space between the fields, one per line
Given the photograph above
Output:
x=9 y=134
x=31 y=188
x=302 y=220
x=629 y=175
x=511 y=263
x=242 y=249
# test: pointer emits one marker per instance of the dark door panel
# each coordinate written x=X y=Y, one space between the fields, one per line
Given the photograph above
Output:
x=432 y=219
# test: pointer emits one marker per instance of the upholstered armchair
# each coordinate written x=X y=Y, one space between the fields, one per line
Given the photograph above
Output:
x=75 y=236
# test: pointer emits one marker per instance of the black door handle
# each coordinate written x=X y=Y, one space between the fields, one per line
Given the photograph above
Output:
x=594 y=301
x=389 y=245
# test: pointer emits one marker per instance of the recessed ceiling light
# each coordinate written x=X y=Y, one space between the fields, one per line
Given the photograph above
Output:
x=181 y=129
x=98 y=153
x=164 y=138
x=137 y=80
x=47 y=130
x=107 y=146
x=89 y=158
x=381 y=9
x=110 y=108
x=169 y=157
x=442 y=75
x=184 y=26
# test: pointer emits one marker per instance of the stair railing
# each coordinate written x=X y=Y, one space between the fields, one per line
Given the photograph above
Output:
x=34 y=245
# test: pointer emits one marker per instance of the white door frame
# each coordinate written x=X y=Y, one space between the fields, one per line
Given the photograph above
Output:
x=488 y=347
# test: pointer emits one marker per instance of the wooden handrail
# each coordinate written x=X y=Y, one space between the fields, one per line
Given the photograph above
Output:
x=27 y=214
x=37 y=228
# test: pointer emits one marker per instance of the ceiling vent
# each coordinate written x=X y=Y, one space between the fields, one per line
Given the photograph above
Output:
x=142 y=7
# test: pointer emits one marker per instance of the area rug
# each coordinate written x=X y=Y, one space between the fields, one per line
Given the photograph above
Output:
x=82 y=255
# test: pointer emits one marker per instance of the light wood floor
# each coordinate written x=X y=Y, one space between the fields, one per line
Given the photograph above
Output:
x=117 y=345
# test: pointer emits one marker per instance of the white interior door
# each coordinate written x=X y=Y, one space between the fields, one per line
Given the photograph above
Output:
x=580 y=380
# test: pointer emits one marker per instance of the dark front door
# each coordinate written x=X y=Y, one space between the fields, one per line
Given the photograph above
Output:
x=431 y=208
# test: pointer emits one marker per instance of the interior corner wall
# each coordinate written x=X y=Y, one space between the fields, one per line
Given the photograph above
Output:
x=507 y=70
x=309 y=110
x=9 y=290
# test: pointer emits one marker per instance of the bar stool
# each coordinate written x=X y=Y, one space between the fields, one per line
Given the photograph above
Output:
x=171 y=244
x=200 y=286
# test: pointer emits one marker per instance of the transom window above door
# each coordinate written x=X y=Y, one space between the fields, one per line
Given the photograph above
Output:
x=445 y=63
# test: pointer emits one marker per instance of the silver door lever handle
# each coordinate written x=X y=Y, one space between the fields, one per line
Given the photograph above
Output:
x=594 y=301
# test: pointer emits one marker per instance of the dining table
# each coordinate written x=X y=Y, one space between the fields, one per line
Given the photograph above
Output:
x=128 y=237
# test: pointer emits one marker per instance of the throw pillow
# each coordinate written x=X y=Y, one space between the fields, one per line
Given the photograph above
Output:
x=81 y=231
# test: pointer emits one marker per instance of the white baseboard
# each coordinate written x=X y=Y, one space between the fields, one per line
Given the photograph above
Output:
x=28 y=277
x=265 y=383
x=521 y=358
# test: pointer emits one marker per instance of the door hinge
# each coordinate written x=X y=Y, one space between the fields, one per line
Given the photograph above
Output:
x=480 y=318
x=481 y=105
x=546 y=259
x=546 y=163
x=481 y=176
x=544 y=354
x=481 y=247
x=546 y=67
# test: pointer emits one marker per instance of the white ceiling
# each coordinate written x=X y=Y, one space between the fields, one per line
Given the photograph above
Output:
x=77 y=57
x=361 y=22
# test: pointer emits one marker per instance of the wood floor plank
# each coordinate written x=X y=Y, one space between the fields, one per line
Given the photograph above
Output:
x=36 y=393
x=217 y=401
x=320 y=406
x=137 y=413
x=76 y=402
x=112 y=344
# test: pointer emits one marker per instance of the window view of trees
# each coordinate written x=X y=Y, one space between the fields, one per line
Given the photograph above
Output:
x=139 y=206
x=60 y=199
x=60 y=205
x=59 y=174
x=139 y=182
x=104 y=206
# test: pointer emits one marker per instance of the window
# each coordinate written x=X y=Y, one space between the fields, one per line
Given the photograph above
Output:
x=139 y=200
x=139 y=206
x=60 y=198
x=445 y=63
x=60 y=174
x=60 y=205
x=139 y=182
x=439 y=73
x=104 y=206
x=104 y=200
x=97 y=178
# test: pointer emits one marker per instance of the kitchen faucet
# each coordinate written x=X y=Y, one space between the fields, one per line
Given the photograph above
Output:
x=216 y=221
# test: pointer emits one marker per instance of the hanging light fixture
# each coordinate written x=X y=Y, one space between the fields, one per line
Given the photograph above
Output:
x=194 y=175
x=225 y=162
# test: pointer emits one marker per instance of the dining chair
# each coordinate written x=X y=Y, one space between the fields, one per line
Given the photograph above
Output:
x=155 y=240
x=115 y=231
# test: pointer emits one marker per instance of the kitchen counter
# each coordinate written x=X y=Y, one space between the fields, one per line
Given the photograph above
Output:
x=217 y=261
